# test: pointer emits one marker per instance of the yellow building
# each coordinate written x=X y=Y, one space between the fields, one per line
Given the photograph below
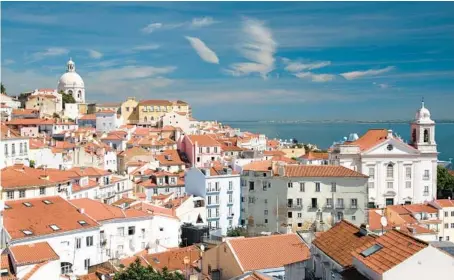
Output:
x=129 y=111
x=151 y=111
x=47 y=104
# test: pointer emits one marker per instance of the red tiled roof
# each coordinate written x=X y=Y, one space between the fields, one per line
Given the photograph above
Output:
x=31 y=122
x=12 y=133
x=156 y=102
x=89 y=171
x=169 y=157
x=396 y=248
x=25 y=111
x=88 y=117
x=103 y=212
x=371 y=138
x=418 y=208
x=40 y=216
x=173 y=259
x=320 y=171
x=23 y=176
x=32 y=253
x=340 y=240
x=203 y=140
x=268 y=251
x=264 y=165
x=445 y=202
x=315 y=156
x=42 y=96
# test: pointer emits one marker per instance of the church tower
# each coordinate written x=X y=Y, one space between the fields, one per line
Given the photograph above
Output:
x=423 y=131
x=71 y=83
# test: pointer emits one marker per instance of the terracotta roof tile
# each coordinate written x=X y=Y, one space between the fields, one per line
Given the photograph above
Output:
x=204 y=140
x=320 y=171
x=40 y=216
x=25 y=111
x=98 y=210
x=173 y=259
x=88 y=117
x=156 y=102
x=315 y=156
x=264 y=165
x=89 y=171
x=33 y=253
x=418 y=208
x=371 y=138
x=340 y=240
x=396 y=248
x=169 y=157
x=17 y=176
x=268 y=251
x=445 y=203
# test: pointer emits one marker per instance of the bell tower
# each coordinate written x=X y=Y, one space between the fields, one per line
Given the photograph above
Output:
x=423 y=131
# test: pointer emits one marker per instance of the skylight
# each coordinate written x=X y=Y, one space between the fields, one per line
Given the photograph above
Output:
x=371 y=250
x=28 y=204
x=54 y=227
x=7 y=206
x=82 y=222
x=27 y=232
x=47 y=202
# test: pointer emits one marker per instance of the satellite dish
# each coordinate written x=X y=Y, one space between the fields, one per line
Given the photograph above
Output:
x=383 y=221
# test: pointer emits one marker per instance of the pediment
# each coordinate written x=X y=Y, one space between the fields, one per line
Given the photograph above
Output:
x=391 y=147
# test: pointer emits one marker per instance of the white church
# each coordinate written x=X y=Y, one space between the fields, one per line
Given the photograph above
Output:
x=71 y=83
x=399 y=172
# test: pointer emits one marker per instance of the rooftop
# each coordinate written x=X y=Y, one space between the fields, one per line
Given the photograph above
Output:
x=320 y=171
x=203 y=140
x=32 y=253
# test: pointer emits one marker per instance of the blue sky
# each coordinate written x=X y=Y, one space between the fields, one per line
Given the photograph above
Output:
x=239 y=61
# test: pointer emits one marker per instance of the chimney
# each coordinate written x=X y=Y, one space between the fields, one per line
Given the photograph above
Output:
x=390 y=134
x=363 y=230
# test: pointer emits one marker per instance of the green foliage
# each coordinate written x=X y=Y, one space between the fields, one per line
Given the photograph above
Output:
x=233 y=232
x=3 y=89
x=136 y=271
x=67 y=98
x=32 y=163
x=56 y=116
x=445 y=181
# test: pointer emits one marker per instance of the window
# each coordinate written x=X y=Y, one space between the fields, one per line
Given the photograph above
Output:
x=302 y=187
x=208 y=150
x=447 y=238
x=290 y=185
x=230 y=185
x=408 y=172
x=21 y=193
x=251 y=186
x=371 y=250
x=290 y=214
x=390 y=185
x=66 y=268
x=264 y=186
x=426 y=175
x=217 y=199
x=121 y=231
x=21 y=151
x=340 y=203
x=10 y=194
x=300 y=215
x=452 y=225
x=215 y=149
x=89 y=241
x=42 y=191
x=446 y=213
x=299 y=201
x=78 y=243
x=452 y=213
x=353 y=218
x=371 y=185
x=426 y=190
x=86 y=263
x=266 y=201
x=216 y=185
x=200 y=150
x=13 y=150
x=390 y=171
x=317 y=187
x=329 y=203
x=265 y=212
x=371 y=173
x=25 y=147
x=266 y=221
x=27 y=232
x=408 y=184
x=6 y=149
x=230 y=198
x=446 y=225
x=131 y=230
x=354 y=203
x=54 y=227
x=333 y=187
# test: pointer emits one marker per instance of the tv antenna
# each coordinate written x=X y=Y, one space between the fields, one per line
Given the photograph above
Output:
x=384 y=223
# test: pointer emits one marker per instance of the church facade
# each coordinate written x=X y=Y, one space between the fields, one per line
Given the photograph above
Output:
x=399 y=172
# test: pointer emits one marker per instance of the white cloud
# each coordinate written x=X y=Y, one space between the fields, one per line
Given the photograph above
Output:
x=131 y=72
x=371 y=72
x=8 y=62
x=202 y=50
x=258 y=47
x=49 y=52
x=95 y=54
x=151 y=27
x=320 y=78
x=300 y=66
x=146 y=47
x=202 y=21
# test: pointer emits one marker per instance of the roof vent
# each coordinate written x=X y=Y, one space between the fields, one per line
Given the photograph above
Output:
x=81 y=210
x=363 y=230
x=44 y=177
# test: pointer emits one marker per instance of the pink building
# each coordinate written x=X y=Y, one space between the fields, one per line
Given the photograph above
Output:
x=201 y=149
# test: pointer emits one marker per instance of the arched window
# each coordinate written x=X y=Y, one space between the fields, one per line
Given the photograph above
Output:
x=78 y=94
x=66 y=268
x=152 y=118
x=70 y=92
x=426 y=136
x=413 y=135
x=389 y=170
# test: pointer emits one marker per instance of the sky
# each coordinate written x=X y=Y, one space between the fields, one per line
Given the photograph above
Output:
x=241 y=61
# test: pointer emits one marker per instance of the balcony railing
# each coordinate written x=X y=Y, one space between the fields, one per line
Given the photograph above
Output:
x=328 y=206
x=294 y=206
x=353 y=206
x=340 y=206
x=312 y=207
x=425 y=193
x=425 y=177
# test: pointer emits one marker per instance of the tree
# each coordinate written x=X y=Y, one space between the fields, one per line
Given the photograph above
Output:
x=3 y=89
x=67 y=98
x=233 y=232
x=445 y=181
x=136 y=271
x=56 y=116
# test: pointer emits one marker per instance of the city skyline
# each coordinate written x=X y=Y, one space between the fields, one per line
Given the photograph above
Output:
x=240 y=61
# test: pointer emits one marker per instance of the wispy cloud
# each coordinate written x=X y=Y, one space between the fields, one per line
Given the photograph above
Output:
x=258 y=47
x=49 y=52
x=371 y=72
x=149 y=47
x=296 y=66
x=95 y=54
x=202 y=50
x=8 y=62
x=319 y=78
x=202 y=21
x=152 y=27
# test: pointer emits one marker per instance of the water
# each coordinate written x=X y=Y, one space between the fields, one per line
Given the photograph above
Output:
x=324 y=134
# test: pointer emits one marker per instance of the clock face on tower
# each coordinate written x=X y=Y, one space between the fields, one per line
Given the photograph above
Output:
x=390 y=147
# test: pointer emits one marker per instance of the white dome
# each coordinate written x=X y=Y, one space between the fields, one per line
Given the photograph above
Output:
x=423 y=113
x=70 y=80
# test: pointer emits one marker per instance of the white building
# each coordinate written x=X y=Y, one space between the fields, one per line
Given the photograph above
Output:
x=201 y=150
x=72 y=83
x=160 y=183
x=9 y=101
x=106 y=120
x=41 y=155
x=398 y=172
x=72 y=235
x=5 y=112
x=220 y=187
x=15 y=148
x=71 y=111
x=283 y=199
x=446 y=215
x=178 y=119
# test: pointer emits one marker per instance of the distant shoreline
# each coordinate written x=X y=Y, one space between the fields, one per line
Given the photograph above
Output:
x=332 y=121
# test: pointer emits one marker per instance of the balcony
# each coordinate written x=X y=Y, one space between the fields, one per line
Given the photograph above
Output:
x=340 y=206
x=312 y=207
x=213 y=190
x=294 y=206
x=353 y=206
x=425 y=194
x=328 y=206
x=425 y=177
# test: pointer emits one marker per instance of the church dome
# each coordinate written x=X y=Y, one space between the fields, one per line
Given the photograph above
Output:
x=70 y=79
x=422 y=113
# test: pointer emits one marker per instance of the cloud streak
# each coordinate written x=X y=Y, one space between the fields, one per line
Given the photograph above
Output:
x=54 y=51
x=258 y=47
x=152 y=27
x=371 y=72
x=149 y=47
x=202 y=22
x=202 y=50
x=95 y=54
x=319 y=78
x=299 y=66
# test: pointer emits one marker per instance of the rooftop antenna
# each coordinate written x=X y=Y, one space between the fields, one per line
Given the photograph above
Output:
x=384 y=223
